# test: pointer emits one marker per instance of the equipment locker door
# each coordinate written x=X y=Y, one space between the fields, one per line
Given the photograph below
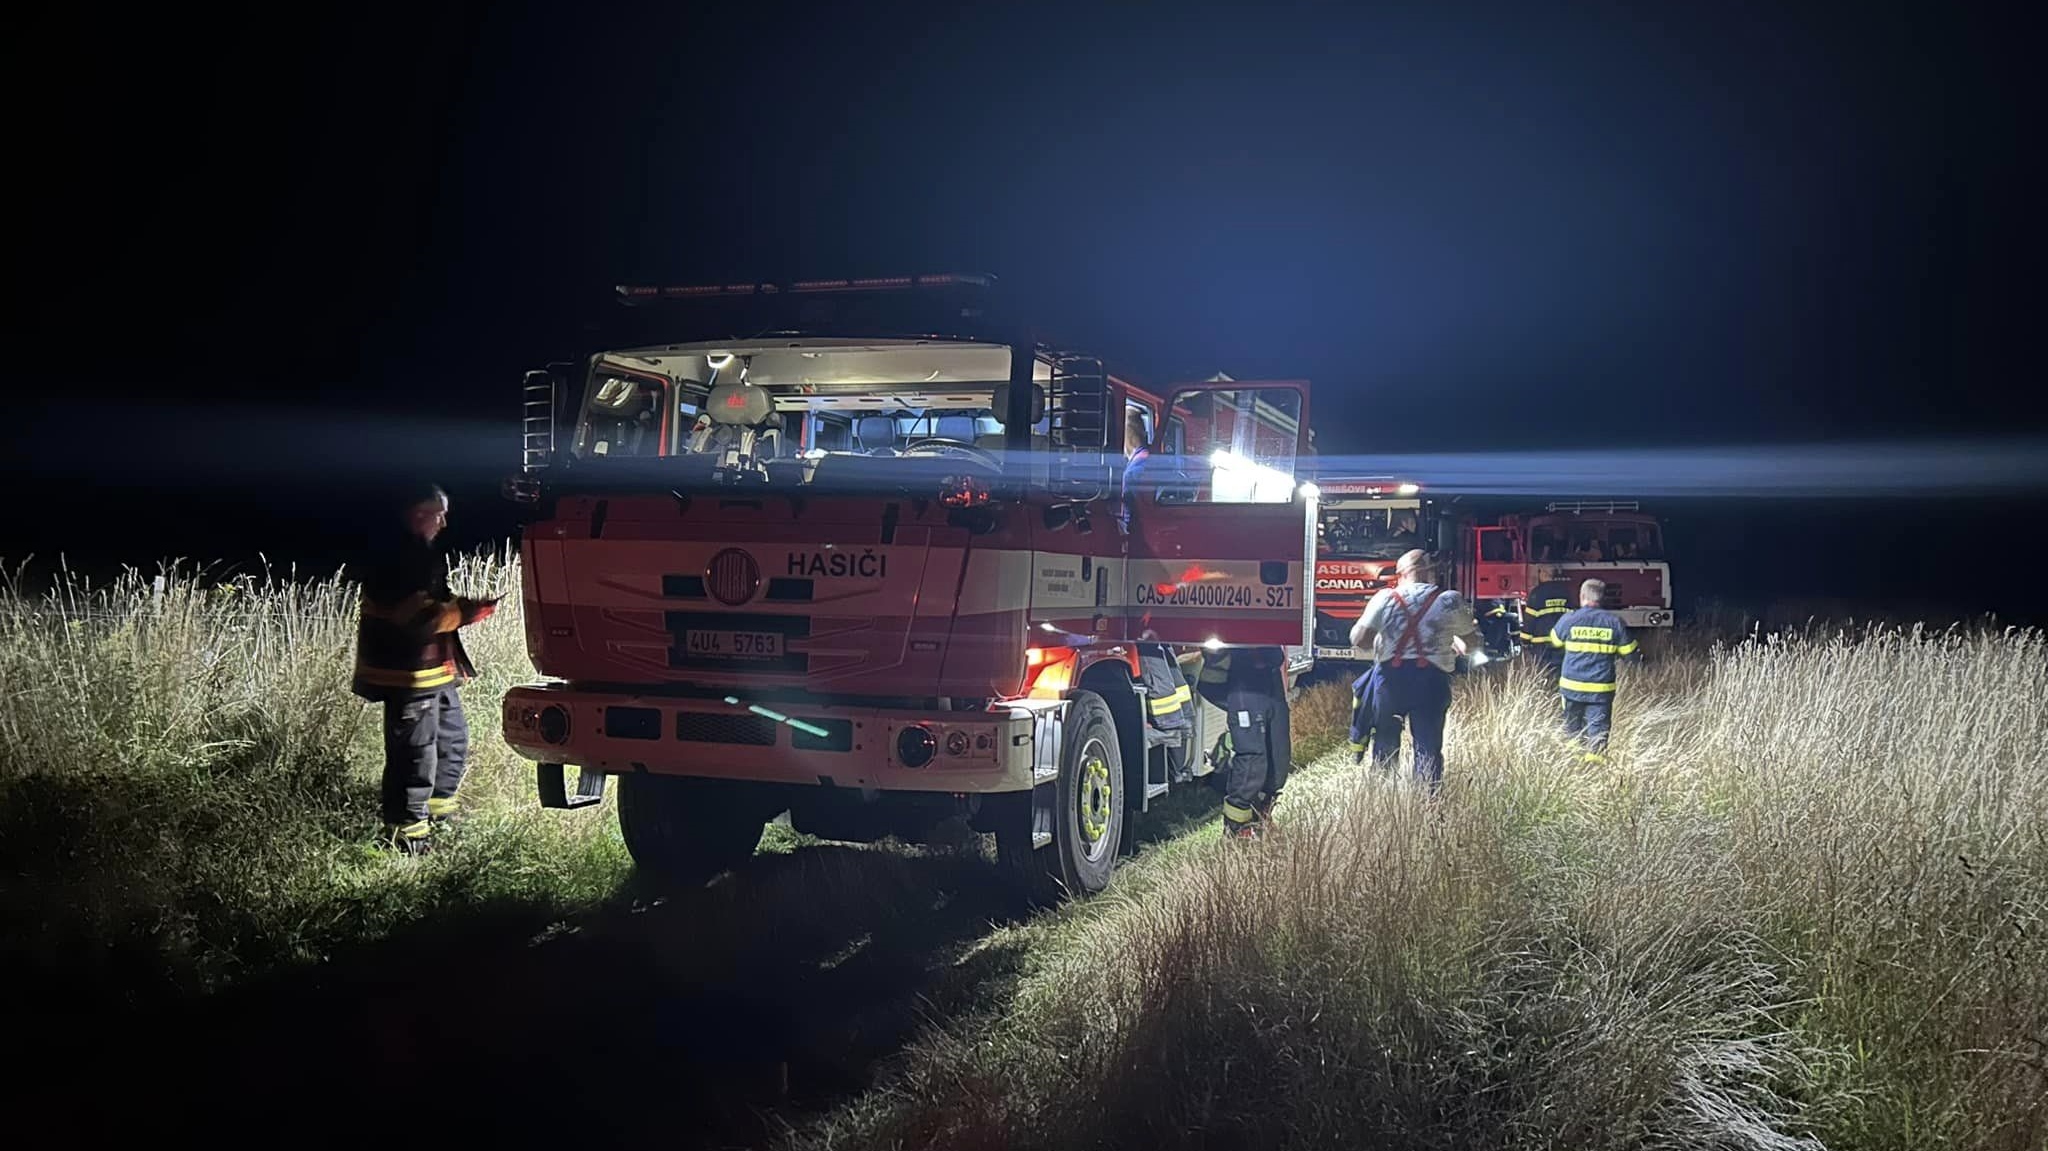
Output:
x=1221 y=530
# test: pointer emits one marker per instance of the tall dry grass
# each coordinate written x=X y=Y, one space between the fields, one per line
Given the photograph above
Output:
x=1806 y=905
x=188 y=788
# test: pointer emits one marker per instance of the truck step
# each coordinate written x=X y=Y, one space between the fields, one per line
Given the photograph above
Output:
x=1155 y=790
x=554 y=787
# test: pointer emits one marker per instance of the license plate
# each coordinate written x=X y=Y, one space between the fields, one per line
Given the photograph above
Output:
x=734 y=644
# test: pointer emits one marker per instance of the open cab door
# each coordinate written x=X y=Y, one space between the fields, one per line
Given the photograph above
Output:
x=1221 y=528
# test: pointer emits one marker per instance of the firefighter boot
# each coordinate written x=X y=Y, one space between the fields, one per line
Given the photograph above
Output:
x=414 y=838
x=445 y=814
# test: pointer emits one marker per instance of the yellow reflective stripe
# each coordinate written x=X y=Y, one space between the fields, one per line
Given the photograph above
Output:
x=1579 y=685
x=438 y=676
x=1527 y=638
x=1544 y=610
x=1581 y=645
x=1168 y=704
x=1236 y=814
x=1593 y=757
x=417 y=830
x=438 y=806
x=1626 y=649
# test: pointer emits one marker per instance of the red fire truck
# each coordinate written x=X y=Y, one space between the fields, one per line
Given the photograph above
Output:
x=1610 y=540
x=1367 y=521
x=1364 y=524
x=856 y=551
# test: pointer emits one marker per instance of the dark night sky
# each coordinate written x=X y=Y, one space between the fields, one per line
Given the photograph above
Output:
x=276 y=256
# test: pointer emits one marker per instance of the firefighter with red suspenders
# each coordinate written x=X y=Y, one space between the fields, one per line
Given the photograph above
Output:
x=1415 y=631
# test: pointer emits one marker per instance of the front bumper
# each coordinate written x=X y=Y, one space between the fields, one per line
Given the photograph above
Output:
x=976 y=752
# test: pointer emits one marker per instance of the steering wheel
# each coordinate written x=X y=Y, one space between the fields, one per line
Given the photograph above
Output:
x=942 y=446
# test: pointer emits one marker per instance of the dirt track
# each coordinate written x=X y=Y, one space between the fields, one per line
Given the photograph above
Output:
x=707 y=1019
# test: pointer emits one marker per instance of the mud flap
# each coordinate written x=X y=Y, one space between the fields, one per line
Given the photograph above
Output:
x=554 y=787
x=1047 y=728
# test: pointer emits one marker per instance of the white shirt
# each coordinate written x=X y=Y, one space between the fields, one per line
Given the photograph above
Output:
x=1388 y=615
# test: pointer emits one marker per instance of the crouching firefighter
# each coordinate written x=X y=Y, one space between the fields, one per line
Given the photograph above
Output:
x=1249 y=684
x=1169 y=707
x=410 y=659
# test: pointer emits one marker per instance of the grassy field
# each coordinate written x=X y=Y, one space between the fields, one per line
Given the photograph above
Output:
x=1806 y=904
x=188 y=788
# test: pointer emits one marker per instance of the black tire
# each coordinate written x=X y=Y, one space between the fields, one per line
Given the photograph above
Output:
x=685 y=831
x=1088 y=811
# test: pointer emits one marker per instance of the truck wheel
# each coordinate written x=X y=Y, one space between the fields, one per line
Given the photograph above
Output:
x=1087 y=815
x=685 y=831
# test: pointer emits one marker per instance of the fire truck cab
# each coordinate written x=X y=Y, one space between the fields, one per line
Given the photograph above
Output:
x=854 y=551
x=1364 y=524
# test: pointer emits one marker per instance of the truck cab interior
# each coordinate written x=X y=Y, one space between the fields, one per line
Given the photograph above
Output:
x=819 y=414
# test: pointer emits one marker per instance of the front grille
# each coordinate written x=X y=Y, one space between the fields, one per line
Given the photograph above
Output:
x=683 y=586
x=744 y=730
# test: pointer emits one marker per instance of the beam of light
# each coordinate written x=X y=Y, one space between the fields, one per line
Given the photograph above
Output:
x=1895 y=469
x=1238 y=480
x=778 y=717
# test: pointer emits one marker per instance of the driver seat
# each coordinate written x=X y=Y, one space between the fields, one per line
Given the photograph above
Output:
x=876 y=434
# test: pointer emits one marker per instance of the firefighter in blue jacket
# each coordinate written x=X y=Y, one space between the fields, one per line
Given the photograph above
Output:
x=1592 y=641
x=1547 y=603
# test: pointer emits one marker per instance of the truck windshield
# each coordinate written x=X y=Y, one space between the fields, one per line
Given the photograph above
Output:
x=1595 y=541
x=1370 y=533
x=817 y=414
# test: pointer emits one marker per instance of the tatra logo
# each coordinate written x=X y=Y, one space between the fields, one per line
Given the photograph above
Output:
x=867 y=564
x=732 y=577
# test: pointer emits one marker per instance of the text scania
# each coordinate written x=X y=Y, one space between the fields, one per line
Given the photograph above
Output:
x=1213 y=595
x=862 y=565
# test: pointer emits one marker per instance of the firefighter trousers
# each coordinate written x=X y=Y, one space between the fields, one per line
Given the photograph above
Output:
x=1260 y=752
x=1422 y=697
x=1587 y=721
x=426 y=749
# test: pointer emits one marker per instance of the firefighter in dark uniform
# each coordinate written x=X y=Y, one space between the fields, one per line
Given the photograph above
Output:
x=1250 y=685
x=1592 y=641
x=410 y=659
x=1169 y=706
x=1547 y=602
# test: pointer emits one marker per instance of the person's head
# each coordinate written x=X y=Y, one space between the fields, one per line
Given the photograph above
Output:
x=1413 y=566
x=425 y=511
x=1134 y=432
x=1590 y=593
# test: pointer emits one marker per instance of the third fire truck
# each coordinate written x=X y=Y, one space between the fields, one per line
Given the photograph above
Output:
x=859 y=552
